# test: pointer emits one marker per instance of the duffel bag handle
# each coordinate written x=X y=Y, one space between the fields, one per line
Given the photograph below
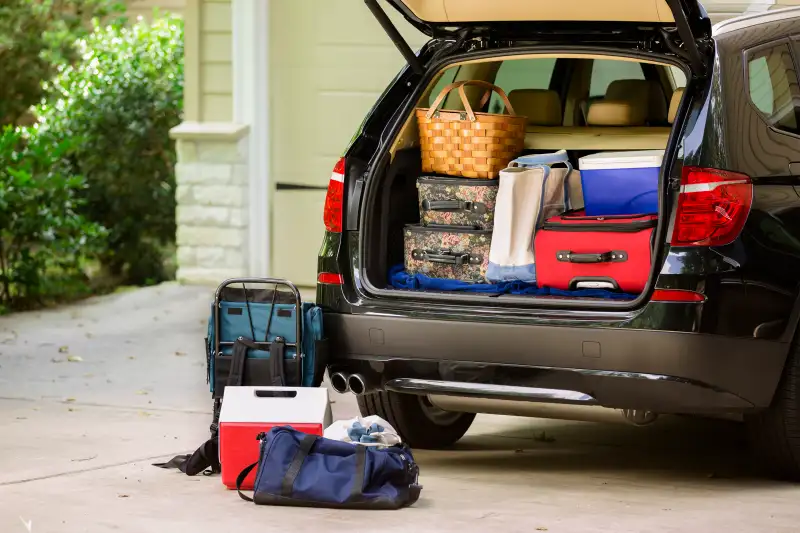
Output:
x=603 y=257
x=468 y=108
x=454 y=206
x=447 y=257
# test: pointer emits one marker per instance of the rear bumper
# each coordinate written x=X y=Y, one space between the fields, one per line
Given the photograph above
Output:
x=667 y=372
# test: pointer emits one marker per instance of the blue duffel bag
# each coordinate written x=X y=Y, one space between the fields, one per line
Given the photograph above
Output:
x=305 y=470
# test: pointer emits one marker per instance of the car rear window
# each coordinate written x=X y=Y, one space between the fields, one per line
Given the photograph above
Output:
x=522 y=74
x=605 y=71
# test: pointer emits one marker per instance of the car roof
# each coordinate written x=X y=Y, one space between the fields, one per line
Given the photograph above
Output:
x=748 y=21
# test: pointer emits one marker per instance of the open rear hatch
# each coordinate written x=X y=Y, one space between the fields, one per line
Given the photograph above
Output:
x=677 y=27
x=517 y=18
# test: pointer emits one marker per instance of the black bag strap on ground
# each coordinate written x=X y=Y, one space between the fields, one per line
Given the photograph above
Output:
x=204 y=460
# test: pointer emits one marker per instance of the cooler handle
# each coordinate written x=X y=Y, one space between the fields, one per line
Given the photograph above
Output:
x=566 y=256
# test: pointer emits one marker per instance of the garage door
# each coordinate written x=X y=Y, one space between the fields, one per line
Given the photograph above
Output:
x=329 y=62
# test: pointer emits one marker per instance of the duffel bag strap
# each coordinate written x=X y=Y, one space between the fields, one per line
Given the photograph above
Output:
x=357 y=492
x=287 y=485
x=239 y=480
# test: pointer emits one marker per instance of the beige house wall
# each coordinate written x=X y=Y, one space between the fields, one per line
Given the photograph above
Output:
x=208 y=92
x=329 y=62
x=212 y=170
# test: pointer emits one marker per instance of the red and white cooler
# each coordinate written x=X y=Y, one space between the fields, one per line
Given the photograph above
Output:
x=248 y=411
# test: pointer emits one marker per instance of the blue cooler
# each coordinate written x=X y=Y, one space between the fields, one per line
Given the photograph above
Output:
x=621 y=183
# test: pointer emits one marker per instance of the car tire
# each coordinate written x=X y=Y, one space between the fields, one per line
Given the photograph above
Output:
x=774 y=433
x=419 y=423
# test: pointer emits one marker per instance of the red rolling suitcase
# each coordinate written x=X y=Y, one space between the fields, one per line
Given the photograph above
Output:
x=574 y=251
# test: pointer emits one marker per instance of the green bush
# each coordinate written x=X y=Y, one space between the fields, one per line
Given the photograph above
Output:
x=119 y=103
x=44 y=242
x=37 y=37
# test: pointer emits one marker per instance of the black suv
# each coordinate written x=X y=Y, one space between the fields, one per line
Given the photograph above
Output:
x=714 y=331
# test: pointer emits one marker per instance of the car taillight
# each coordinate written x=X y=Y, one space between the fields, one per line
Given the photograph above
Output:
x=329 y=278
x=334 y=201
x=676 y=295
x=712 y=207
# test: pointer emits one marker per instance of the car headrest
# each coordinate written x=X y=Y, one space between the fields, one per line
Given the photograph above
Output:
x=674 y=103
x=624 y=89
x=656 y=100
x=616 y=113
x=541 y=106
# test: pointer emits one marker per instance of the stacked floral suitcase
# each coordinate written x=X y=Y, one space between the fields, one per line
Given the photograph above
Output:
x=462 y=155
x=454 y=238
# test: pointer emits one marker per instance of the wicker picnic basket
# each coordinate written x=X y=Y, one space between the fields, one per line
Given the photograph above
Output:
x=465 y=143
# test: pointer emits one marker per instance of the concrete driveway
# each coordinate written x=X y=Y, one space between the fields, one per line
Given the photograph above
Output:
x=91 y=395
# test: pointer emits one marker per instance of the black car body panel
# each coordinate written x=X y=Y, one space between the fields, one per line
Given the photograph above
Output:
x=724 y=354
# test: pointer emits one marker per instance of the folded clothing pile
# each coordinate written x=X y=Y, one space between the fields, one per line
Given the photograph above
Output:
x=370 y=430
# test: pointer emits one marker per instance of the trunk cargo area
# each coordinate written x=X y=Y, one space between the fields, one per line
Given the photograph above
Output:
x=442 y=219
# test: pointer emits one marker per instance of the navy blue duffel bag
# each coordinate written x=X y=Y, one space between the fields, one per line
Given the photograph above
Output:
x=304 y=470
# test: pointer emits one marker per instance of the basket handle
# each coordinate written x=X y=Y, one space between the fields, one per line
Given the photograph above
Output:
x=460 y=86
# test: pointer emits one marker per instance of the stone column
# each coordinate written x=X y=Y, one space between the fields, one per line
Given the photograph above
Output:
x=212 y=178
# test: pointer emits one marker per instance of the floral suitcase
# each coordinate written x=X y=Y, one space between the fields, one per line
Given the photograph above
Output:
x=457 y=201
x=447 y=252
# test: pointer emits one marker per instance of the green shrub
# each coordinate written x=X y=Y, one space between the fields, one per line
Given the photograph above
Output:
x=119 y=103
x=36 y=38
x=44 y=242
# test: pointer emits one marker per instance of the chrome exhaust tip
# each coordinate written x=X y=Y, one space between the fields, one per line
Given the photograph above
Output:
x=340 y=382
x=356 y=384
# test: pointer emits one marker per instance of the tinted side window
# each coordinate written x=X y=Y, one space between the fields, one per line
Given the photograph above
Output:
x=604 y=71
x=522 y=74
x=773 y=87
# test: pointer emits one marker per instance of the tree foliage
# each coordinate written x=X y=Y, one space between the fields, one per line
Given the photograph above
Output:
x=119 y=103
x=44 y=240
x=37 y=38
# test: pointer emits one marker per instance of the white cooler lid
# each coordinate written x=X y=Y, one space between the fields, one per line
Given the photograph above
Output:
x=309 y=405
x=614 y=160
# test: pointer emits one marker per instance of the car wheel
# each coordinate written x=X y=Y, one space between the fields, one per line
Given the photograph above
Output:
x=774 y=433
x=419 y=423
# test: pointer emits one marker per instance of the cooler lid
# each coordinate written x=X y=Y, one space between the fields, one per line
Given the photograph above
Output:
x=279 y=405
x=631 y=159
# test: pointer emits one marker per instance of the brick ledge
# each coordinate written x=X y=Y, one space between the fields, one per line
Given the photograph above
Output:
x=209 y=131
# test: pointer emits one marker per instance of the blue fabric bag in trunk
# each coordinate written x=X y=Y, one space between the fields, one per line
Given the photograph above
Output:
x=304 y=470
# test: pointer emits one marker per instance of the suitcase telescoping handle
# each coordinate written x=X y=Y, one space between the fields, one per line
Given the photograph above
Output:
x=603 y=257
x=454 y=206
x=447 y=257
